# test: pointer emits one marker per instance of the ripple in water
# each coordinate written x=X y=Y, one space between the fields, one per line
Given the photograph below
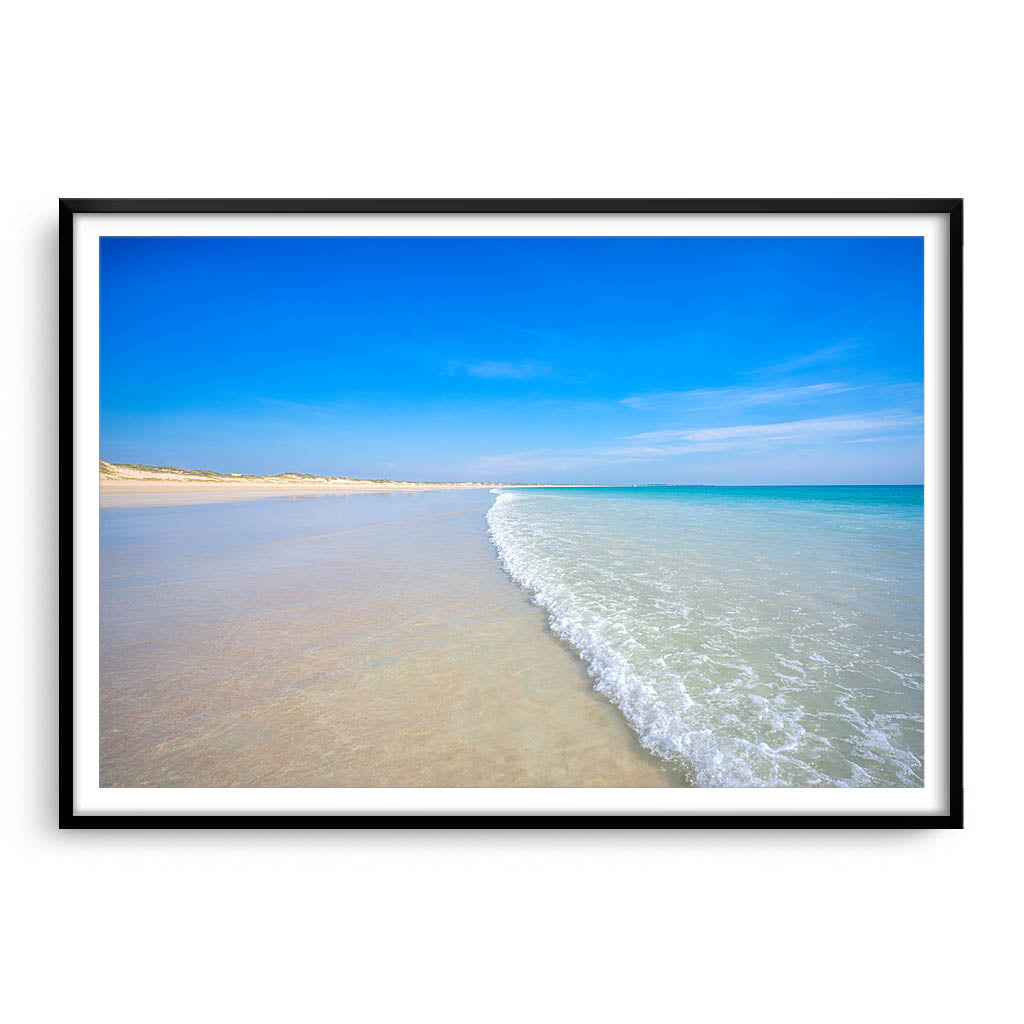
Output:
x=750 y=636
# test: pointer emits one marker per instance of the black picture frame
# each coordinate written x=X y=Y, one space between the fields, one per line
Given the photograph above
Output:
x=951 y=208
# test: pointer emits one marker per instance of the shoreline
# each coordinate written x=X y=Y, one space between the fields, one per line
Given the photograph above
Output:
x=124 y=484
x=118 y=493
x=370 y=643
x=141 y=492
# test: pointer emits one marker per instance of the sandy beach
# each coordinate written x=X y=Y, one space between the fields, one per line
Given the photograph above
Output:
x=336 y=639
x=132 y=485
x=127 y=493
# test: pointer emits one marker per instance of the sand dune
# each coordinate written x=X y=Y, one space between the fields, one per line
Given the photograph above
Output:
x=119 y=473
x=123 y=483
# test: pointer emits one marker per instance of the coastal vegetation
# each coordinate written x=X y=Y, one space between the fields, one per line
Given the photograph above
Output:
x=138 y=473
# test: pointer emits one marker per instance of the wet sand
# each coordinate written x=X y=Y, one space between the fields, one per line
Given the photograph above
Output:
x=339 y=640
x=138 y=493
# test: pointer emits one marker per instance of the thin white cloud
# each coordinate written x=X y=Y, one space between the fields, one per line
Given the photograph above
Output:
x=507 y=371
x=754 y=437
x=733 y=396
x=821 y=355
x=792 y=428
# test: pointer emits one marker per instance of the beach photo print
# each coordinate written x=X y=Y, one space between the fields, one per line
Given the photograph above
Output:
x=519 y=512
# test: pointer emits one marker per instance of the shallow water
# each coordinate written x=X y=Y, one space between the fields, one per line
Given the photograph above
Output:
x=339 y=640
x=752 y=636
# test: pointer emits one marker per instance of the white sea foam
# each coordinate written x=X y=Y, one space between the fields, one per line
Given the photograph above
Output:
x=746 y=647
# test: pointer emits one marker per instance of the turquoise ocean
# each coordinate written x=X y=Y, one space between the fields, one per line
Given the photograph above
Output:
x=751 y=636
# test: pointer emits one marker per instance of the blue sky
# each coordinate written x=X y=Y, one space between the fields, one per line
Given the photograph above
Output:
x=605 y=360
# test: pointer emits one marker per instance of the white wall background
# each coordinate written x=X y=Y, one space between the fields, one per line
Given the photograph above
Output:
x=524 y=99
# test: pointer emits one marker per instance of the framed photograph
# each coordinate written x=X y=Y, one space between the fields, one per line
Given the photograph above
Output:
x=517 y=513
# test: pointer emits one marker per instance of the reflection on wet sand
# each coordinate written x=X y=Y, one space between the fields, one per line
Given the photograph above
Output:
x=338 y=640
